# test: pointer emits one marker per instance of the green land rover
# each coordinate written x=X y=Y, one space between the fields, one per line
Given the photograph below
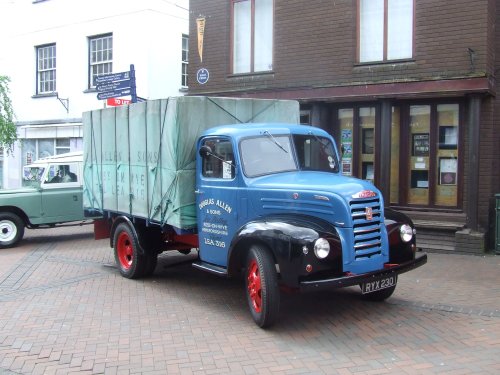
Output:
x=51 y=195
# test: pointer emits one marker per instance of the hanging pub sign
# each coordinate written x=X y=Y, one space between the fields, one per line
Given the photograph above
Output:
x=200 y=24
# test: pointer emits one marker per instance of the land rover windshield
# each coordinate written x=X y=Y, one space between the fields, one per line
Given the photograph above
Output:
x=270 y=153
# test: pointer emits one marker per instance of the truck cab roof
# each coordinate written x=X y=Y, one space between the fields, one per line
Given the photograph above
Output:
x=249 y=129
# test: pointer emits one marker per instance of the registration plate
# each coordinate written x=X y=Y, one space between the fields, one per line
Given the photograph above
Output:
x=379 y=284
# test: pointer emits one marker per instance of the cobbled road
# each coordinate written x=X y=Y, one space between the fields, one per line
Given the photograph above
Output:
x=64 y=309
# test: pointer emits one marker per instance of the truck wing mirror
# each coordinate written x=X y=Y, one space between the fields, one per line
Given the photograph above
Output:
x=205 y=151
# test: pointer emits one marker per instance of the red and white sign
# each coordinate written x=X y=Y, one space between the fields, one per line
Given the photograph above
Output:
x=114 y=102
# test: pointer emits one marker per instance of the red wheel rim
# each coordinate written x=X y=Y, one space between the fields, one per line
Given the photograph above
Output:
x=254 y=286
x=125 y=250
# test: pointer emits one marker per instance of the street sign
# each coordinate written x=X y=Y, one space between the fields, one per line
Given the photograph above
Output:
x=113 y=94
x=112 y=77
x=113 y=86
x=115 y=102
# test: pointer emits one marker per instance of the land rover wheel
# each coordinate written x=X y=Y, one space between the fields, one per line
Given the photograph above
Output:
x=11 y=230
x=380 y=295
x=262 y=289
x=127 y=254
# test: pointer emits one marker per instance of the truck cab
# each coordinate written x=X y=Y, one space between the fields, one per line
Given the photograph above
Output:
x=51 y=195
x=274 y=194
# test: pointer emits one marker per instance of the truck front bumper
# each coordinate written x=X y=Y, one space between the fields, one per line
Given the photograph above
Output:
x=350 y=280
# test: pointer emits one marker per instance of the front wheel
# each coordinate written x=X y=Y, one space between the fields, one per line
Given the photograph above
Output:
x=262 y=286
x=11 y=230
x=380 y=295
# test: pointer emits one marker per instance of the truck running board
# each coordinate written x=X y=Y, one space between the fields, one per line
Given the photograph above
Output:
x=220 y=271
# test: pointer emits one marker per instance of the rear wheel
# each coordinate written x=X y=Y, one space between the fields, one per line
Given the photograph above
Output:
x=262 y=286
x=11 y=229
x=127 y=254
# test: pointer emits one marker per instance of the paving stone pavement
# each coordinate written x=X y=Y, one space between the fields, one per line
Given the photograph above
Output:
x=65 y=309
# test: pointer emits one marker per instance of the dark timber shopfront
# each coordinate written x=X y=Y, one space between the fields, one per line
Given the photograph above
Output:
x=408 y=88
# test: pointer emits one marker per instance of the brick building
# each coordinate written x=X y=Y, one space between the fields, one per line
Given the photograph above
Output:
x=407 y=88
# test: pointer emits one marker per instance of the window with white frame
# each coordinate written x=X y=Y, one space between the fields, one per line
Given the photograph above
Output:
x=385 y=30
x=185 y=50
x=252 y=36
x=34 y=149
x=62 y=145
x=100 y=56
x=46 y=69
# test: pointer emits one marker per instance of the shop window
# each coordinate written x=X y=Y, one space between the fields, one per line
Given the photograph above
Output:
x=434 y=155
x=420 y=127
x=447 y=155
x=367 y=143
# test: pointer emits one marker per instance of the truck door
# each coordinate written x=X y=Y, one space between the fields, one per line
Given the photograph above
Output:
x=216 y=192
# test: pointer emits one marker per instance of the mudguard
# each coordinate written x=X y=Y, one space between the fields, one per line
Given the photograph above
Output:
x=399 y=251
x=290 y=238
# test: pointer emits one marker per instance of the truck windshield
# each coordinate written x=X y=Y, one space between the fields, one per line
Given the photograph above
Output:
x=267 y=154
x=315 y=153
x=32 y=175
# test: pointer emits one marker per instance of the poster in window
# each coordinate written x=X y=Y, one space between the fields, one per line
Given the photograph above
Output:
x=448 y=171
x=448 y=137
x=420 y=144
x=346 y=148
x=419 y=179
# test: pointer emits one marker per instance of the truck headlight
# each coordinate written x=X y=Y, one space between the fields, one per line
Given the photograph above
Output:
x=321 y=248
x=406 y=233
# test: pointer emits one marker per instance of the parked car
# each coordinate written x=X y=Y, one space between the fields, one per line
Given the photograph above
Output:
x=51 y=196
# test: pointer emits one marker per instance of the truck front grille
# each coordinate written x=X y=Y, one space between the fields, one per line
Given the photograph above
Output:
x=367 y=236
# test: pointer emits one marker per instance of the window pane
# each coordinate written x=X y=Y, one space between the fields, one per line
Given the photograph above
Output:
x=371 y=30
x=46 y=75
x=242 y=37
x=420 y=118
x=447 y=158
x=101 y=54
x=45 y=148
x=367 y=143
x=400 y=29
x=263 y=49
x=62 y=142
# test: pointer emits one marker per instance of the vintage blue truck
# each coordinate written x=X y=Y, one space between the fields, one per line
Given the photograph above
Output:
x=262 y=200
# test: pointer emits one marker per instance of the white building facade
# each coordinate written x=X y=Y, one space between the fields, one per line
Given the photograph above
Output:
x=54 y=50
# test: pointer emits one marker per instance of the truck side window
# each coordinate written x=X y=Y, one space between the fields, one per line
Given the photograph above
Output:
x=221 y=163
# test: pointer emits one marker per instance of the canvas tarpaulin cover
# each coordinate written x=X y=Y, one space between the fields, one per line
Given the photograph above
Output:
x=139 y=160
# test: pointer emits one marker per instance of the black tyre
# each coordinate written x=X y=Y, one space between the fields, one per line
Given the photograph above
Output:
x=380 y=295
x=262 y=289
x=11 y=230
x=127 y=254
